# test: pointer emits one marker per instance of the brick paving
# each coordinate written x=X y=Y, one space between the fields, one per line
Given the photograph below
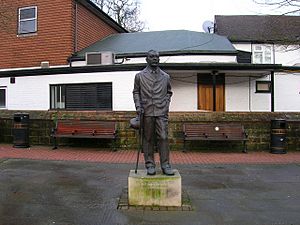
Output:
x=129 y=156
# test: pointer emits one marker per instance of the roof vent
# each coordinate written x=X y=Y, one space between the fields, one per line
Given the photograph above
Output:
x=45 y=64
x=99 y=58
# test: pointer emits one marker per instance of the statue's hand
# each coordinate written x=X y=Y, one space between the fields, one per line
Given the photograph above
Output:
x=140 y=110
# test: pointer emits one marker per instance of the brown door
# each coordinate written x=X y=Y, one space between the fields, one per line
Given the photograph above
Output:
x=205 y=93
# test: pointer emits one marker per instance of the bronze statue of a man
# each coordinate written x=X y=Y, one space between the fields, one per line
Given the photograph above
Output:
x=152 y=95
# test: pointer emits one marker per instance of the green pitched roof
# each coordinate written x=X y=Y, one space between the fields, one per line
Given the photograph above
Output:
x=176 y=42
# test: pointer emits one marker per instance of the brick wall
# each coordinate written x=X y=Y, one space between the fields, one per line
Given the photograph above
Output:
x=257 y=125
x=54 y=40
x=90 y=28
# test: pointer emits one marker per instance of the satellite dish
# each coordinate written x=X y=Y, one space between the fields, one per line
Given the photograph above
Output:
x=208 y=26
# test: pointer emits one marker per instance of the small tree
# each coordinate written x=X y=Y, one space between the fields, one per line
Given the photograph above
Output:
x=287 y=7
x=124 y=12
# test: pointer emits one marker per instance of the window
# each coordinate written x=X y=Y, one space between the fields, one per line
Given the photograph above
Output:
x=2 y=97
x=262 y=54
x=94 y=96
x=263 y=86
x=27 y=20
x=58 y=96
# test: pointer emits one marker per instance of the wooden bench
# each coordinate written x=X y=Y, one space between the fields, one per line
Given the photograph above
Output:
x=84 y=129
x=215 y=132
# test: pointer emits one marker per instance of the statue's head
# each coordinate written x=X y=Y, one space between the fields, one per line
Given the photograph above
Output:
x=152 y=58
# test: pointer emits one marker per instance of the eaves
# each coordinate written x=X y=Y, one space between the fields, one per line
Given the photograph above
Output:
x=138 y=67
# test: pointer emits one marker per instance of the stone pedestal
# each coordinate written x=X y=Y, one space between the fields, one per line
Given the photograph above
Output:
x=158 y=190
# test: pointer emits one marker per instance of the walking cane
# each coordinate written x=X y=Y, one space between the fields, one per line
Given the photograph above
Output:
x=141 y=130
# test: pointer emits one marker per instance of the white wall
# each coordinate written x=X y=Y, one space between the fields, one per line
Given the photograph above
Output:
x=243 y=46
x=259 y=102
x=240 y=95
x=287 y=93
x=236 y=94
x=188 y=59
x=184 y=87
x=32 y=93
x=175 y=59
x=287 y=56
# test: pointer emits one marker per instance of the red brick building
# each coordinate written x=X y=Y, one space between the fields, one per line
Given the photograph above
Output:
x=43 y=30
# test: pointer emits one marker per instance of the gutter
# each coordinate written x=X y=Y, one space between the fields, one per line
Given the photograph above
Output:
x=290 y=69
x=138 y=67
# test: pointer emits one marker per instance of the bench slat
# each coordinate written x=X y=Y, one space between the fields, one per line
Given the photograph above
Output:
x=215 y=132
x=84 y=129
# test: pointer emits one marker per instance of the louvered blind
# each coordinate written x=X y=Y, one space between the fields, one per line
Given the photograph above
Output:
x=96 y=96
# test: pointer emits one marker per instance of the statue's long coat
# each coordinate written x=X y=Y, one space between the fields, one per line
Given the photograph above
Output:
x=152 y=92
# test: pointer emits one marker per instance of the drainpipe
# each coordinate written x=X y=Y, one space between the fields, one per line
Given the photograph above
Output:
x=272 y=91
x=250 y=92
x=274 y=54
x=214 y=90
x=75 y=31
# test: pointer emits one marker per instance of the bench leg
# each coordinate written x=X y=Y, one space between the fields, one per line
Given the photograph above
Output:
x=184 y=146
x=245 y=147
x=54 y=143
x=114 y=145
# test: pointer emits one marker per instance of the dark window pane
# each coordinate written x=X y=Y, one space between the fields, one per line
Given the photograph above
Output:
x=27 y=13
x=27 y=26
x=263 y=86
x=2 y=98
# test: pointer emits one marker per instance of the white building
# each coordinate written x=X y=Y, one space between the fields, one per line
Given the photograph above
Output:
x=205 y=73
x=268 y=40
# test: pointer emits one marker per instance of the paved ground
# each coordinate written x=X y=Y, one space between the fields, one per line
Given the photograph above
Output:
x=127 y=156
x=78 y=186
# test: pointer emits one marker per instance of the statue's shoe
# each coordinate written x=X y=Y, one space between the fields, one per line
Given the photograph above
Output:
x=167 y=170
x=151 y=170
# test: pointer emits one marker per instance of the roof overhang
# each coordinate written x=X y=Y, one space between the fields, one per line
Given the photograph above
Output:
x=98 y=12
x=226 y=68
x=238 y=69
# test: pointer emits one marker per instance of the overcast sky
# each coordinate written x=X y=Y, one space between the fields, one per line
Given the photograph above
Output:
x=190 y=14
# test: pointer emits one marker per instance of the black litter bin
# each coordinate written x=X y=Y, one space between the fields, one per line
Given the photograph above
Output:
x=278 y=136
x=21 y=130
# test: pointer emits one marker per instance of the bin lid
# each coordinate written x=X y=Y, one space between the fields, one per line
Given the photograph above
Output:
x=277 y=119
x=21 y=114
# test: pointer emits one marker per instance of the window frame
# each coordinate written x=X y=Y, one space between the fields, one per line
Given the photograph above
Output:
x=264 y=53
x=53 y=105
x=257 y=90
x=80 y=108
x=28 y=19
x=5 y=97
